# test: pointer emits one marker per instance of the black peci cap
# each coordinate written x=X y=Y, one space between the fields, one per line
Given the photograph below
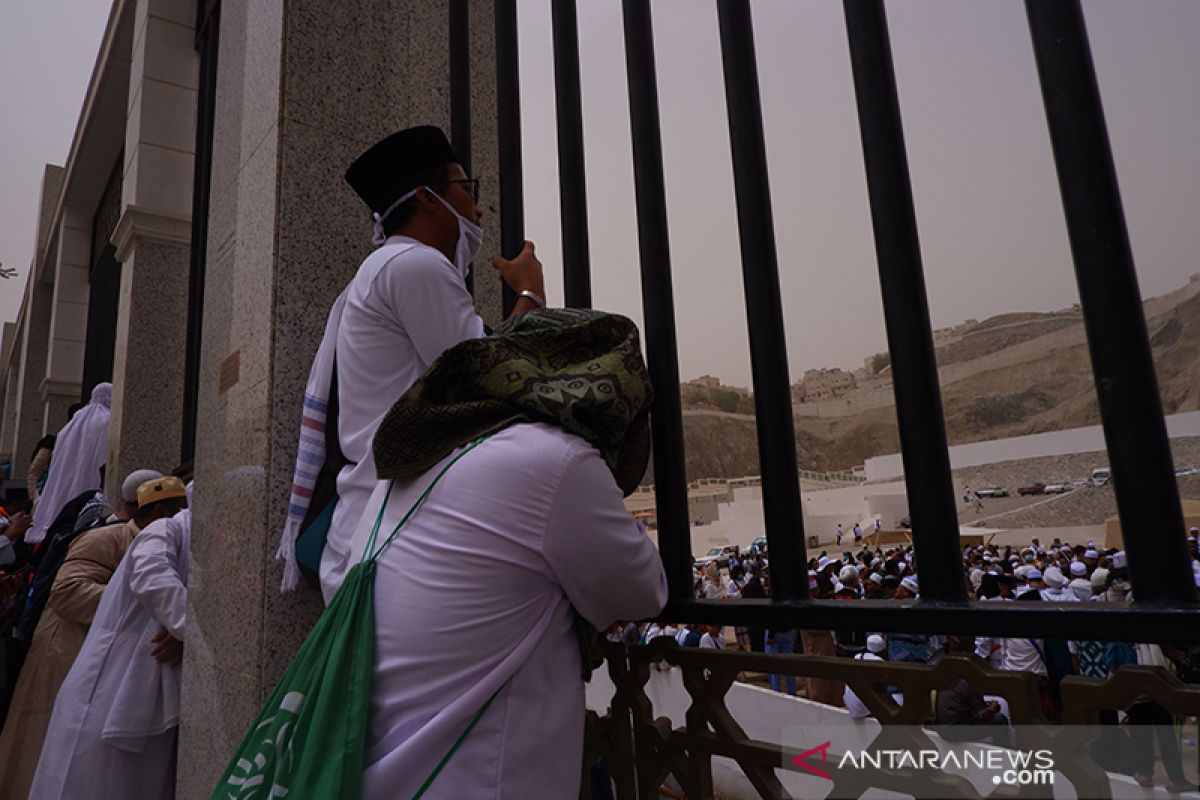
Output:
x=393 y=166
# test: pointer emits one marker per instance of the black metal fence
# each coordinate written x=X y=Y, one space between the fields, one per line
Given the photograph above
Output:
x=208 y=27
x=1131 y=409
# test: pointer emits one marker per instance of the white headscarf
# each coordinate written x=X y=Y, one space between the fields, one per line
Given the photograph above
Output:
x=79 y=452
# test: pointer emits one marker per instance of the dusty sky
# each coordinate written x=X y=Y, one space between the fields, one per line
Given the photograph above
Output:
x=991 y=224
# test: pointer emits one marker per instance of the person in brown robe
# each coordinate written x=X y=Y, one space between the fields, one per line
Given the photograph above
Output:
x=823 y=690
x=820 y=643
x=74 y=597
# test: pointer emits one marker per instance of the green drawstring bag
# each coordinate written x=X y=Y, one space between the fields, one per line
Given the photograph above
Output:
x=308 y=740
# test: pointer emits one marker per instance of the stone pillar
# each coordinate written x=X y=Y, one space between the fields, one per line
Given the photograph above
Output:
x=303 y=87
x=68 y=317
x=9 y=362
x=35 y=335
x=152 y=242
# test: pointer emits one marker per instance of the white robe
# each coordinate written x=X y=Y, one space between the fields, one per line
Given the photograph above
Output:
x=79 y=452
x=475 y=596
x=854 y=704
x=400 y=315
x=112 y=733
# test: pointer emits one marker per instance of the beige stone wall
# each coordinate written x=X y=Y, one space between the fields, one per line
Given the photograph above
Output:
x=152 y=240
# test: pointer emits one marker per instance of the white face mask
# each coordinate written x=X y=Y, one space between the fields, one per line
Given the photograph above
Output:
x=470 y=235
x=470 y=239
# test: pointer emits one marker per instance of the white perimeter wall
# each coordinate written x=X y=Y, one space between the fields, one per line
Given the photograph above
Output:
x=1056 y=443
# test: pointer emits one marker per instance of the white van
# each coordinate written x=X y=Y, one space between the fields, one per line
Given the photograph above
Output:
x=1101 y=476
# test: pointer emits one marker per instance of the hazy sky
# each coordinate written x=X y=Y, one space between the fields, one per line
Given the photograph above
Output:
x=991 y=223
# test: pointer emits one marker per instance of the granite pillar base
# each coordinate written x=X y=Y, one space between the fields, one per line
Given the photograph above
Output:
x=148 y=363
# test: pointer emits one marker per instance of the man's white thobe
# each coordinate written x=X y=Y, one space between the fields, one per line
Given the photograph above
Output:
x=402 y=312
x=112 y=733
x=474 y=598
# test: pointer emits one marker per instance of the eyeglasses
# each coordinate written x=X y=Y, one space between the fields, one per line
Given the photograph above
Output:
x=472 y=186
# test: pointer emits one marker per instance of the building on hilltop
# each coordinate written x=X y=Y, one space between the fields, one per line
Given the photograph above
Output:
x=819 y=385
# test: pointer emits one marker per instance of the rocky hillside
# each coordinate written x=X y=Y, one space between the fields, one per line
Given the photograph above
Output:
x=1011 y=375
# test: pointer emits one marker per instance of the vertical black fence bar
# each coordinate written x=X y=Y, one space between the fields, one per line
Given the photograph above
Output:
x=905 y=306
x=658 y=303
x=508 y=120
x=572 y=182
x=1126 y=385
x=460 y=81
x=764 y=312
x=460 y=92
x=208 y=30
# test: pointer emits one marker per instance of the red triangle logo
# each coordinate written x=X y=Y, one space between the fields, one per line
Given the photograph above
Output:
x=800 y=762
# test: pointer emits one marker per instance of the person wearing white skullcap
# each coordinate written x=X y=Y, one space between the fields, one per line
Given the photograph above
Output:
x=909 y=588
x=1080 y=584
x=876 y=651
x=1056 y=590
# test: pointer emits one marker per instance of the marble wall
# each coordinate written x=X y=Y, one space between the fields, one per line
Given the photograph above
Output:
x=9 y=364
x=31 y=370
x=152 y=240
x=68 y=317
x=303 y=87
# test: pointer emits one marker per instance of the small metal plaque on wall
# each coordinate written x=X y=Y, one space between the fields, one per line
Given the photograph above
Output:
x=227 y=373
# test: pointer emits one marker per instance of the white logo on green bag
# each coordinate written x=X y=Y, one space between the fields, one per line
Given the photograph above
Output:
x=249 y=775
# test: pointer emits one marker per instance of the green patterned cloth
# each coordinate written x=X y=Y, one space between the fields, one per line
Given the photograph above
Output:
x=580 y=370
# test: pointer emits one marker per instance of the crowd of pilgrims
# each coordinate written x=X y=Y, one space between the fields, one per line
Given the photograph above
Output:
x=1056 y=573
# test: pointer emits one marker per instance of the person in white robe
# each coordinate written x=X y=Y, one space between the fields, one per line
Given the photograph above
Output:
x=113 y=730
x=405 y=306
x=527 y=530
x=80 y=452
x=876 y=651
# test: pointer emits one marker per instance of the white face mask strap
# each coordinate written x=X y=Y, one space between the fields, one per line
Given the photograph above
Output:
x=379 y=236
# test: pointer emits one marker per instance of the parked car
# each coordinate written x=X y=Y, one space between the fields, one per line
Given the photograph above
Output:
x=1059 y=487
x=1080 y=483
x=759 y=545
x=992 y=490
x=1101 y=476
x=1182 y=471
x=718 y=554
x=1031 y=488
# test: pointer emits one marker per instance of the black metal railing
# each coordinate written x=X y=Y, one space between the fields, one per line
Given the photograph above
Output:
x=104 y=287
x=208 y=45
x=1131 y=411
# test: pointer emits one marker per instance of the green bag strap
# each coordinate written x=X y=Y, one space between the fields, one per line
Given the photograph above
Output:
x=370 y=553
x=454 y=748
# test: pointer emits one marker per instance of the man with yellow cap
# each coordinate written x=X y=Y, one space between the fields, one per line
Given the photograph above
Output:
x=112 y=734
x=74 y=598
